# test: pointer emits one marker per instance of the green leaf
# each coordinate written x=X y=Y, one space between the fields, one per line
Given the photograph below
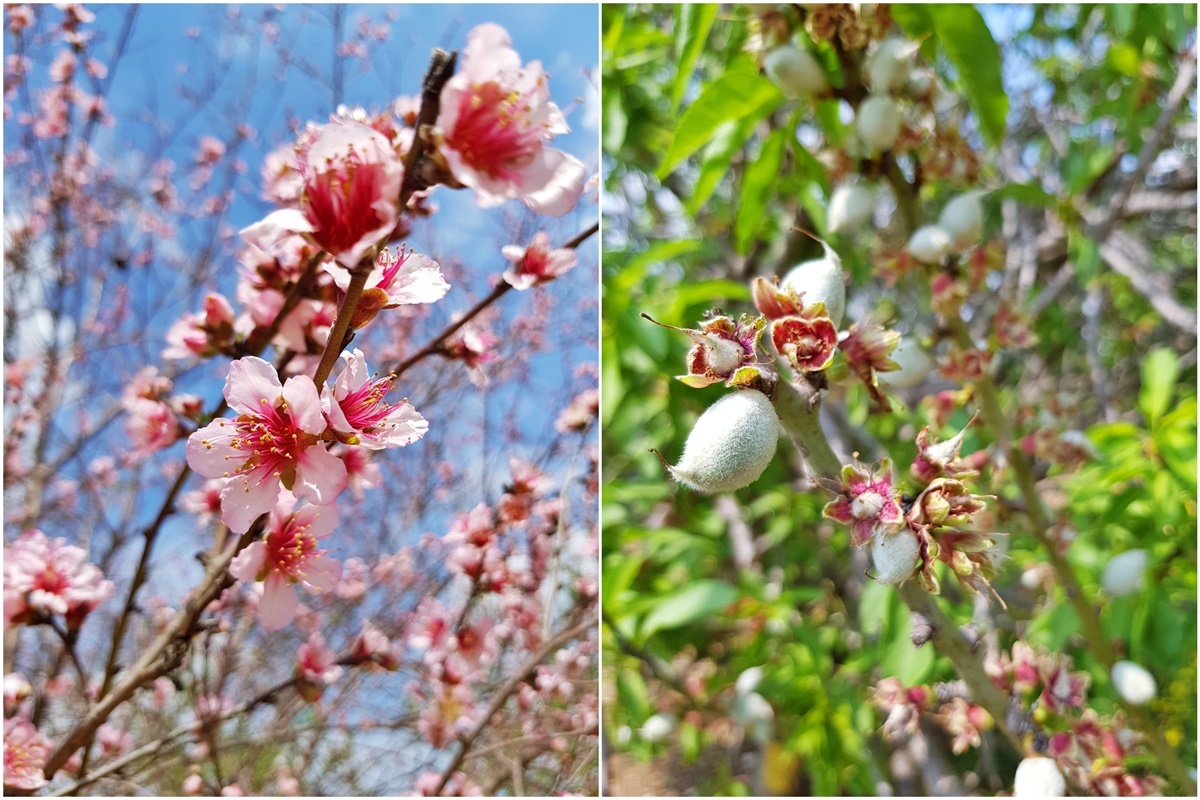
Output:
x=715 y=161
x=635 y=699
x=900 y=659
x=615 y=121
x=1029 y=194
x=965 y=37
x=733 y=96
x=688 y=605
x=758 y=189
x=1160 y=372
x=692 y=29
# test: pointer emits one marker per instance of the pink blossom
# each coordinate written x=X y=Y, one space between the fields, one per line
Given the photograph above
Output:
x=400 y=278
x=233 y=790
x=353 y=584
x=373 y=647
x=537 y=263
x=16 y=691
x=25 y=752
x=474 y=345
x=202 y=334
x=48 y=576
x=361 y=473
x=352 y=180
x=495 y=120
x=63 y=67
x=316 y=667
x=287 y=555
x=272 y=442
x=113 y=741
x=151 y=425
x=193 y=785
x=358 y=414
x=579 y=414
x=868 y=502
x=204 y=502
x=164 y=690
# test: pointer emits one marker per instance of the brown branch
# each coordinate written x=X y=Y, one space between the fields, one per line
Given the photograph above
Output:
x=441 y=69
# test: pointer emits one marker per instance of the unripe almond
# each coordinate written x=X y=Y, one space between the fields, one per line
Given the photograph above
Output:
x=1039 y=776
x=820 y=281
x=1133 y=683
x=879 y=122
x=915 y=365
x=962 y=218
x=895 y=556
x=658 y=727
x=850 y=208
x=1123 y=573
x=887 y=68
x=795 y=71
x=929 y=244
x=730 y=445
x=919 y=84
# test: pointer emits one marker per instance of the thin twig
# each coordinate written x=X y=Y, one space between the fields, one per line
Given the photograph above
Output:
x=506 y=690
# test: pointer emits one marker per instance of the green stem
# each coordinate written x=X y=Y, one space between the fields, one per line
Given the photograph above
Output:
x=799 y=416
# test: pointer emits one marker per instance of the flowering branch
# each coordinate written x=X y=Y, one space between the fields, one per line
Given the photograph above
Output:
x=506 y=690
x=501 y=289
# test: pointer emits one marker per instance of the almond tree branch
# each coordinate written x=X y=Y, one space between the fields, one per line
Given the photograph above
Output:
x=501 y=289
x=506 y=690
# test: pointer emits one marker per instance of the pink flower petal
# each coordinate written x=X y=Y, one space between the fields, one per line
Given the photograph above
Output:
x=279 y=602
x=320 y=476
x=250 y=381
x=304 y=405
x=246 y=564
x=556 y=182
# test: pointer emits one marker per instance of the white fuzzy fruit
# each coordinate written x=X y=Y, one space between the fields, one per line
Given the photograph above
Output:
x=879 y=122
x=1133 y=683
x=850 y=208
x=795 y=71
x=1039 y=776
x=895 y=556
x=915 y=365
x=962 y=218
x=1123 y=573
x=658 y=727
x=820 y=281
x=919 y=84
x=731 y=444
x=887 y=68
x=929 y=244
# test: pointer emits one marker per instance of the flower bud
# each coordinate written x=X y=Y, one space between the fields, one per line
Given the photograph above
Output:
x=962 y=219
x=1039 y=776
x=850 y=208
x=820 y=281
x=879 y=122
x=1123 y=573
x=895 y=556
x=795 y=71
x=929 y=244
x=915 y=365
x=731 y=444
x=1133 y=683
